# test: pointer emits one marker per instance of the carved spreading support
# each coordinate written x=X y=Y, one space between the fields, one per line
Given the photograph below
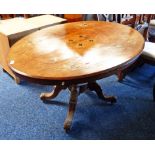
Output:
x=51 y=95
x=72 y=106
x=93 y=86
x=75 y=91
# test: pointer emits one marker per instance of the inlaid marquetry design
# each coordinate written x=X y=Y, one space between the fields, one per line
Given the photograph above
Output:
x=73 y=56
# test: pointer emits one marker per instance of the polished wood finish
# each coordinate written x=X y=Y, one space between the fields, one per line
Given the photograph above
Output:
x=73 y=56
x=73 y=17
x=93 y=86
x=144 y=21
x=4 y=50
x=14 y=29
x=53 y=94
x=72 y=106
x=75 y=50
x=75 y=91
x=129 y=21
x=133 y=21
x=8 y=16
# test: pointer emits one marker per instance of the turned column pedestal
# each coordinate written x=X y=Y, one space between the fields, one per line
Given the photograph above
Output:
x=75 y=91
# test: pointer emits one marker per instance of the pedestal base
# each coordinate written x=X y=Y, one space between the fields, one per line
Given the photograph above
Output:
x=75 y=91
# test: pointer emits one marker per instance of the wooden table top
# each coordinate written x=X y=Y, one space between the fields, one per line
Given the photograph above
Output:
x=74 y=51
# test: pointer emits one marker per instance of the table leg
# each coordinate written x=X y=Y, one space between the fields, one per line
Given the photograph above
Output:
x=93 y=86
x=120 y=75
x=53 y=94
x=17 y=80
x=75 y=91
x=72 y=106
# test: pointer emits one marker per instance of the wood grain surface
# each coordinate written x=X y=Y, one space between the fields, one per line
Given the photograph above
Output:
x=74 y=51
x=4 y=49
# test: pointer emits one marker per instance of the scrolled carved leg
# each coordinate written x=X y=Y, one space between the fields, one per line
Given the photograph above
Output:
x=72 y=106
x=75 y=91
x=53 y=94
x=93 y=86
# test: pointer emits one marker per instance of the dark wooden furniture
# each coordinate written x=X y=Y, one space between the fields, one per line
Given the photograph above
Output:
x=151 y=32
x=73 y=56
x=73 y=17
x=141 y=23
x=126 y=19
x=4 y=50
x=8 y=16
x=144 y=21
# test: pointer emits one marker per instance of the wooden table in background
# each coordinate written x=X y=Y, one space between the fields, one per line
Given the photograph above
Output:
x=11 y=30
x=73 y=56
x=73 y=17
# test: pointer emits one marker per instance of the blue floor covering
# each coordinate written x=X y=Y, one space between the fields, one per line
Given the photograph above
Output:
x=24 y=116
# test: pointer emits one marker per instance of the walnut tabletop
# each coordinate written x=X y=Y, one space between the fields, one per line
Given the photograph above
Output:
x=14 y=29
x=74 y=53
x=75 y=50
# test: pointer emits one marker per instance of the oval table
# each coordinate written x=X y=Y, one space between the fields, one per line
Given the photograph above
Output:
x=73 y=56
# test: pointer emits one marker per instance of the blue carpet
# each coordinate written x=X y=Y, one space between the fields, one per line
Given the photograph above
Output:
x=24 y=116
